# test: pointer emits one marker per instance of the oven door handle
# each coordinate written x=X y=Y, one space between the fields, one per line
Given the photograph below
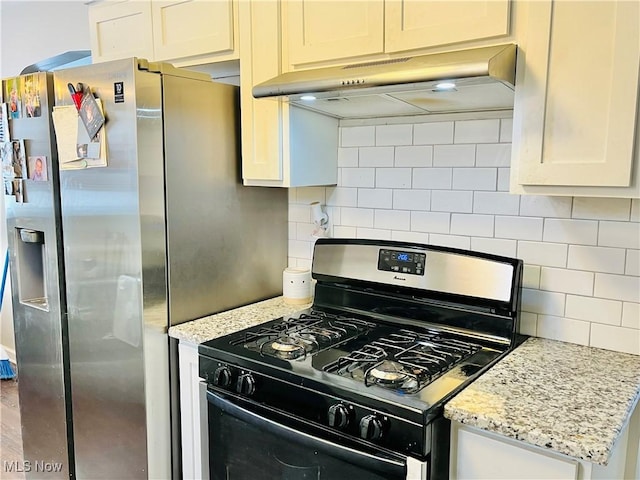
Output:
x=393 y=466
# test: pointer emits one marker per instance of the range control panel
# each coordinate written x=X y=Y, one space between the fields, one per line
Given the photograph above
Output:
x=401 y=261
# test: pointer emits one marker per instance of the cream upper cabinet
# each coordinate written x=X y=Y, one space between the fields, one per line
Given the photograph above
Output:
x=413 y=24
x=282 y=146
x=576 y=100
x=186 y=28
x=320 y=30
x=185 y=32
x=120 y=29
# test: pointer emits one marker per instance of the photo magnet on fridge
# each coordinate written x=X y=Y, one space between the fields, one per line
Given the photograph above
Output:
x=90 y=113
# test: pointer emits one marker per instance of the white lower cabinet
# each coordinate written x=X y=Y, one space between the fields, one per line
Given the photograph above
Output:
x=478 y=454
x=193 y=415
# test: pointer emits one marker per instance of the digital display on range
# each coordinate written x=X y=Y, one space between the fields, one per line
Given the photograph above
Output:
x=402 y=262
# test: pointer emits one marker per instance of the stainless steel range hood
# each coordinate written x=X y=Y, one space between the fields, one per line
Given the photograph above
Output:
x=483 y=79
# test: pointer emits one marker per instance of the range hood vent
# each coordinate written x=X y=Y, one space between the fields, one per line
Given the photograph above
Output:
x=479 y=79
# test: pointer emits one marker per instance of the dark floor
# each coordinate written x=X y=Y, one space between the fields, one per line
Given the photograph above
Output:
x=10 y=436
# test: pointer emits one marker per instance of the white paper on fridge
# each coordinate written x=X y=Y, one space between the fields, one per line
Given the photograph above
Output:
x=75 y=148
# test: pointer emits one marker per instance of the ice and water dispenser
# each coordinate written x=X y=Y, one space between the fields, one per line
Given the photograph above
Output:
x=32 y=267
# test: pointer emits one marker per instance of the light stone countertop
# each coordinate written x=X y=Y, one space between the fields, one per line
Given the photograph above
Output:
x=220 y=324
x=569 y=398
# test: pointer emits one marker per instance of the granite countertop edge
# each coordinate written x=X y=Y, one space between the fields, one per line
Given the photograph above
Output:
x=552 y=394
x=233 y=320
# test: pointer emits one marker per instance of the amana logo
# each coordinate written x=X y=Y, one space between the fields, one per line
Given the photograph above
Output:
x=396 y=277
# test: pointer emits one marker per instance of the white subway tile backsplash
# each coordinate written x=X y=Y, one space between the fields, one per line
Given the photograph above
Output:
x=415 y=156
x=375 y=198
x=342 y=196
x=393 y=177
x=357 y=217
x=448 y=183
x=348 y=157
x=601 y=208
x=631 y=315
x=519 y=228
x=310 y=194
x=567 y=281
x=564 y=329
x=493 y=155
x=617 y=287
x=299 y=213
x=394 y=135
x=545 y=254
x=412 y=199
x=358 y=136
x=342 y=231
x=392 y=219
x=376 y=156
x=504 y=179
x=581 y=232
x=496 y=246
x=454 y=155
x=596 y=259
x=619 y=234
x=452 y=241
x=471 y=224
x=433 y=133
x=531 y=276
x=594 y=309
x=415 y=237
x=477 y=131
x=373 y=233
x=475 y=178
x=358 y=177
x=304 y=231
x=615 y=338
x=432 y=178
x=635 y=210
x=451 y=201
x=528 y=323
x=539 y=206
x=300 y=249
x=547 y=303
x=431 y=222
x=633 y=263
x=506 y=130
x=500 y=203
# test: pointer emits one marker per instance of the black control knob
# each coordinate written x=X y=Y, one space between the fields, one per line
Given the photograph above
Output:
x=371 y=427
x=222 y=376
x=338 y=416
x=246 y=384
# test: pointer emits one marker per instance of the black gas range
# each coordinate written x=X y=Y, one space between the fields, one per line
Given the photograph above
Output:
x=354 y=386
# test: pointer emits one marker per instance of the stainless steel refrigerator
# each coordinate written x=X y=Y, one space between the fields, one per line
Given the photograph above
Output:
x=105 y=259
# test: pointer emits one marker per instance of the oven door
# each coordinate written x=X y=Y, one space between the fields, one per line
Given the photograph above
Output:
x=249 y=441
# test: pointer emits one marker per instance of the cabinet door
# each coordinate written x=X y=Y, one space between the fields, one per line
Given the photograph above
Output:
x=410 y=24
x=575 y=104
x=321 y=30
x=192 y=27
x=120 y=29
x=261 y=119
x=193 y=414
x=478 y=456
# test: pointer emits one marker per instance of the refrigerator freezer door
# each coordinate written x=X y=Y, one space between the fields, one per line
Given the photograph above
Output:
x=34 y=239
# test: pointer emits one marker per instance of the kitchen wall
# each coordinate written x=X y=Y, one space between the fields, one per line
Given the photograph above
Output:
x=446 y=183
